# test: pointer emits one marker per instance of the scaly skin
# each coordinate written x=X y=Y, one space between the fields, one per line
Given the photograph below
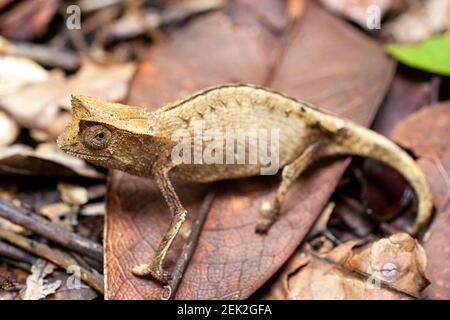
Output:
x=133 y=140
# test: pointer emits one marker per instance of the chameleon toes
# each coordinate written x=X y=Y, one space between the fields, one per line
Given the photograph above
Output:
x=157 y=273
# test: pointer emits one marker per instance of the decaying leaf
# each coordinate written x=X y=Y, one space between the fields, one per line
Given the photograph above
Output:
x=423 y=19
x=415 y=131
x=408 y=93
x=390 y=268
x=9 y=129
x=45 y=160
x=437 y=247
x=37 y=286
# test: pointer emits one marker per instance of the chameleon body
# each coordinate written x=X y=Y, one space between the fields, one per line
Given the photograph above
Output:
x=139 y=142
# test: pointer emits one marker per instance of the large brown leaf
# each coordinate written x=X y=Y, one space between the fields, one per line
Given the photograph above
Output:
x=325 y=61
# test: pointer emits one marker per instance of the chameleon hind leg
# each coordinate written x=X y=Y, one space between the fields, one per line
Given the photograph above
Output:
x=269 y=211
x=155 y=266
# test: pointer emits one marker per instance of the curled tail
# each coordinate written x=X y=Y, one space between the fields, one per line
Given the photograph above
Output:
x=352 y=139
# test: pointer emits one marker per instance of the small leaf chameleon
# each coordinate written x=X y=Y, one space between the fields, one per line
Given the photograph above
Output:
x=139 y=142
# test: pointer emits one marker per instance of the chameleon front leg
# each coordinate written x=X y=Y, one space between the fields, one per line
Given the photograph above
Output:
x=155 y=266
x=270 y=210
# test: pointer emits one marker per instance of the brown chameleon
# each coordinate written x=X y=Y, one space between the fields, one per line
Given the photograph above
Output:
x=139 y=142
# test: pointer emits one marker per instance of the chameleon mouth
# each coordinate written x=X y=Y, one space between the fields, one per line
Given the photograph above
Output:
x=87 y=156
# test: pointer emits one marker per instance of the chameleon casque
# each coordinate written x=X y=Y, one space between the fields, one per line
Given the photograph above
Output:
x=139 y=142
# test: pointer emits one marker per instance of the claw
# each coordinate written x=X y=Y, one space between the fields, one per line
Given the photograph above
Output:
x=267 y=217
x=156 y=272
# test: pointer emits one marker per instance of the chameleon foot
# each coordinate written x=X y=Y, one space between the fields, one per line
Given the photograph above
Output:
x=267 y=217
x=156 y=272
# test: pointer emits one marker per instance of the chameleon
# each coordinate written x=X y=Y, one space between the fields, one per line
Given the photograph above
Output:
x=139 y=142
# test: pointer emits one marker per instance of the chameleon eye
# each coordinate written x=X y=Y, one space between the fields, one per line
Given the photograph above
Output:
x=96 y=137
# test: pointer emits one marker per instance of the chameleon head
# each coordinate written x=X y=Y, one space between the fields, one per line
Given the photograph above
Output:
x=102 y=132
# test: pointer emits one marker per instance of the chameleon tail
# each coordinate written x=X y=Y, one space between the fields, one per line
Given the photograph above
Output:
x=357 y=140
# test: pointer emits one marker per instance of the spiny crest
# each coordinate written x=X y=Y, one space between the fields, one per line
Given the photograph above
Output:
x=119 y=115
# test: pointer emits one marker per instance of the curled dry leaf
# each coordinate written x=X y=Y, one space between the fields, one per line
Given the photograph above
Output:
x=390 y=268
x=9 y=129
x=37 y=286
x=45 y=160
x=422 y=20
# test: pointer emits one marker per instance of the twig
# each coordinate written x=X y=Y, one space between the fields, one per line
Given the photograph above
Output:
x=51 y=231
x=9 y=251
x=55 y=256
x=189 y=246
x=45 y=55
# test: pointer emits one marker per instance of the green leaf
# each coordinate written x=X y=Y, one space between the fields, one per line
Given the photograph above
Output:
x=432 y=55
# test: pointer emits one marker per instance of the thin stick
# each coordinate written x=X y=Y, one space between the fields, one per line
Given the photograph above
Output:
x=189 y=246
x=51 y=231
x=9 y=251
x=55 y=256
x=45 y=55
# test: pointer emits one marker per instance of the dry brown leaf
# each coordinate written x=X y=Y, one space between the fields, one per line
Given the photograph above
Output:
x=106 y=82
x=391 y=268
x=437 y=247
x=37 y=105
x=408 y=93
x=426 y=132
x=37 y=286
x=34 y=105
x=45 y=160
x=73 y=194
x=423 y=19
